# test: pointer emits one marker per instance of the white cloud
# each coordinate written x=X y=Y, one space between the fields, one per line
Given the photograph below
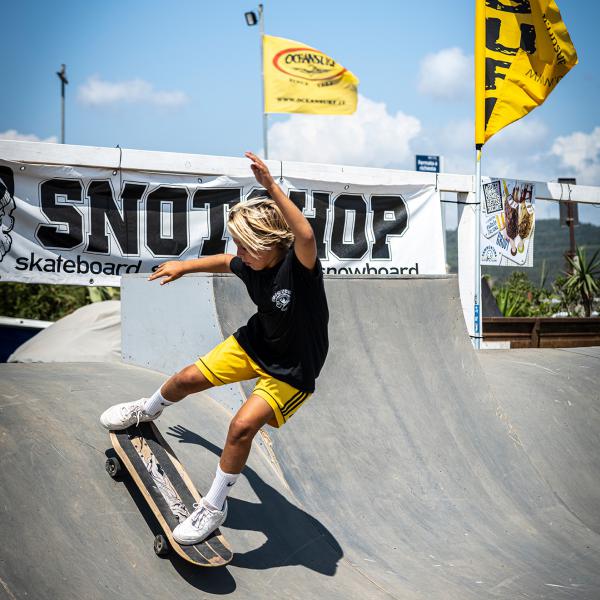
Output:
x=579 y=154
x=519 y=150
x=529 y=132
x=371 y=137
x=446 y=75
x=13 y=134
x=453 y=141
x=97 y=92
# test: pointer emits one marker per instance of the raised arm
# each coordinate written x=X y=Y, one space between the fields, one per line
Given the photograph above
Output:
x=305 y=245
x=174 y=269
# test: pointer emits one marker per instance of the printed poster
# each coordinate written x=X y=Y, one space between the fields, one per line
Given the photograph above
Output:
x=507 y=223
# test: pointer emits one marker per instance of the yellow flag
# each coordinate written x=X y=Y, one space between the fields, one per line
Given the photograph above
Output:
x=300 y=79
x=522 y=50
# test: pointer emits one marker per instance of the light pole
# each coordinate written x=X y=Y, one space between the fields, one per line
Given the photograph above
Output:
x=251 y=20
x=62 y=75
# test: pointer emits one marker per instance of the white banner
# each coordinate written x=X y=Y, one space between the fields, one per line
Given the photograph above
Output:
x=89 y=226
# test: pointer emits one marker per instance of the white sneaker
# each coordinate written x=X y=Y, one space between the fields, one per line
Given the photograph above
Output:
x=121 y=416
x=200 y=524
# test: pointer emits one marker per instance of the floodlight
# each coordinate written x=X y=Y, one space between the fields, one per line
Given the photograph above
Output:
x=251 y=18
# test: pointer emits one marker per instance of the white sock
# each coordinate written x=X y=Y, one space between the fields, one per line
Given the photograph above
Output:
x=220 y=488
x=156 y=402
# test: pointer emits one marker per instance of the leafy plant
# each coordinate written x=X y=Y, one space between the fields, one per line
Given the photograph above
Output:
x=49 y=302
x=101 y=293
x=583 y=280
x=543 y=275
x=511 y=304
x=519 y=297
x=38 y=301
x=568 y=300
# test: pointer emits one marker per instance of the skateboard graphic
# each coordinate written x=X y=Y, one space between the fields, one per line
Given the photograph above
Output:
x=168 y=490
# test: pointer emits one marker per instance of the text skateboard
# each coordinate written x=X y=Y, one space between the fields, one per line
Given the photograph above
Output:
x=168 y=490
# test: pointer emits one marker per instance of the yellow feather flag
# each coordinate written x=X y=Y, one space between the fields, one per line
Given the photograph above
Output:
x=300 y=79
x=522 y=50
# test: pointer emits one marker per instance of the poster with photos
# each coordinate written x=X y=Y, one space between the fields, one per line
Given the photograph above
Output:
x=507 y=223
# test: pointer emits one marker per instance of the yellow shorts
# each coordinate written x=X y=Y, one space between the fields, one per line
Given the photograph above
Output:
x=229 y=363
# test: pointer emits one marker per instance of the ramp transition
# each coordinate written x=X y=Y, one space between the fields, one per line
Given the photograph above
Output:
x=419 y=469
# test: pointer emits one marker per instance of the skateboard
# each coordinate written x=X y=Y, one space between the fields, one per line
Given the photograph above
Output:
x=168 y=490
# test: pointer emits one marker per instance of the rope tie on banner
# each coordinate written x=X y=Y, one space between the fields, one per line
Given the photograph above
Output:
x=436 y=181
x=562 y=189
x=119 y=168
x=569 y=198
x=460 y=202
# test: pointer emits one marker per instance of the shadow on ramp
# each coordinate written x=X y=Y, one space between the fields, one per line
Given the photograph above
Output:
x=305 y=540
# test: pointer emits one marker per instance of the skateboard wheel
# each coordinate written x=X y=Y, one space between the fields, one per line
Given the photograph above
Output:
x=161 y=545
x=113 y=467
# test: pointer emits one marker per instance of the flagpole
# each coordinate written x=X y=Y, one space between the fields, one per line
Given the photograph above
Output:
x=265 y=123
x=479 y=141
x=477 y=288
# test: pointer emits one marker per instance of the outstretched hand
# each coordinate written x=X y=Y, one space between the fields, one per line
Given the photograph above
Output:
x=261 y=171
x=170 y=270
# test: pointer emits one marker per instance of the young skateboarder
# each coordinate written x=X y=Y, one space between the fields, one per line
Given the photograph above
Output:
x=284 y=344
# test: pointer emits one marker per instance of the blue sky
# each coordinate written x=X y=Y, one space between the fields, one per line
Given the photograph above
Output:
x=185 y=76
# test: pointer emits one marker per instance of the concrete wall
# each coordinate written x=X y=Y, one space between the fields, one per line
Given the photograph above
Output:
x=167 y=327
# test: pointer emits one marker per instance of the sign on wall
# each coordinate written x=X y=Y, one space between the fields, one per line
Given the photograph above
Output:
x=507 y=223
x=428 y=163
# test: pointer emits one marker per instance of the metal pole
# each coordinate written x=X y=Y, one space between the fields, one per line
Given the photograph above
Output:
x=477 y=288
x=441 y=170
x=62 y=113
x=261 y=22
x=62 y=75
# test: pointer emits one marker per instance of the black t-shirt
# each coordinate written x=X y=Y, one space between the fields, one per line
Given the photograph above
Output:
x=287 y=337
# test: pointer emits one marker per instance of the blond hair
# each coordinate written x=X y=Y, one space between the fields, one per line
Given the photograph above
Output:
x=259 y=225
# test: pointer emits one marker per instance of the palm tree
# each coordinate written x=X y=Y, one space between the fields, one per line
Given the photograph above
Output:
x=583 y=279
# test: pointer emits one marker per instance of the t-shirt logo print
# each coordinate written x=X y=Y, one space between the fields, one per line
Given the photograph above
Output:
x=282 y=299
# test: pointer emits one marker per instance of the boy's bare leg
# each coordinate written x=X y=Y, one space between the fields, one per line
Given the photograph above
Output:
x=253 y=414
x=188 y=381
x=212 y=510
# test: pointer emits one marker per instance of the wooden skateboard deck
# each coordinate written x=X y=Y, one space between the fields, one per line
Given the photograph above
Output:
x=168 y=490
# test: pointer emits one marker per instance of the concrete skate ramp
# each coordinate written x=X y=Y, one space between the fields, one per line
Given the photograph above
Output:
x=70 y=532
x=409 y=474
x=410 y=458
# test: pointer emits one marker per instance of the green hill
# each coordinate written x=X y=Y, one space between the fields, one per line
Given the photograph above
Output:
x=551 y=242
